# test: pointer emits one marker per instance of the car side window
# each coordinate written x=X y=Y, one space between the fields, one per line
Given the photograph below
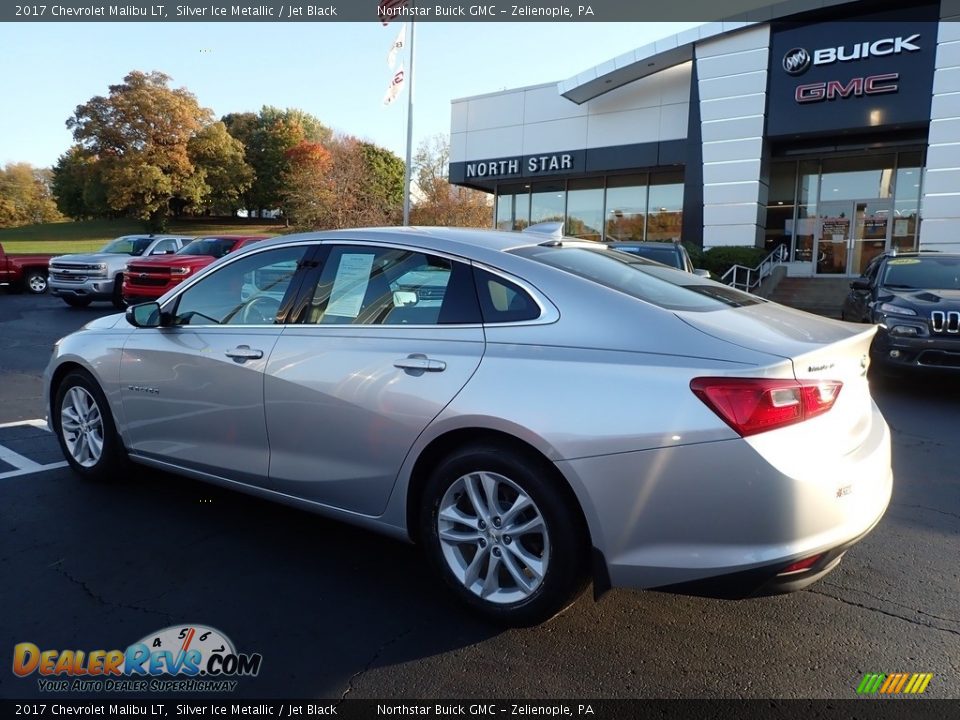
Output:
x=502 y=301
x=367 y=285
x=165 y=246
x=249 y=291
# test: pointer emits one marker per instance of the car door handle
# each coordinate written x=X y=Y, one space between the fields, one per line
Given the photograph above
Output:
x=420 y=362
x=243 y=352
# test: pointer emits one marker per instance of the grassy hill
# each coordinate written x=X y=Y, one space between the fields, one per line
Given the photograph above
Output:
x=89 y=235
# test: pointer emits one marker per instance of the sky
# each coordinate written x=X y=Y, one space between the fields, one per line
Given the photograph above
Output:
x=336 y=71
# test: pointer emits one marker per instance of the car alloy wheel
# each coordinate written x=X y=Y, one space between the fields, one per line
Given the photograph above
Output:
x=82 y=426
x=505 y=532
x=81 y=420
x=493 y=537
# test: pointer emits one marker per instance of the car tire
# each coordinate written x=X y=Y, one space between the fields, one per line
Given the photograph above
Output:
x=35 y=282
x=117 y=299
x=82 y=421
x=521 y=579
x=76 y=302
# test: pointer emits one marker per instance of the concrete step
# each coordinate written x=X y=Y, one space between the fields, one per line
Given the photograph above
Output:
x=821 y=296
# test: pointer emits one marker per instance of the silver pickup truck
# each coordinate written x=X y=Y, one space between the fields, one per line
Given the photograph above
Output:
x=81 y=279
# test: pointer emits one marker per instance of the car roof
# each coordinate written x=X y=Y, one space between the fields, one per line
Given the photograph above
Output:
x=642 y=243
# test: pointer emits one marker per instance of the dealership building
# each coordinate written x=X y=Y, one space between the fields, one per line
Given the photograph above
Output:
x=830 y=128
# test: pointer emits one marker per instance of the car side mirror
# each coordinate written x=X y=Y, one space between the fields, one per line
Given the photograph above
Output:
x=701 y=272
x=860 y=284
x=145 y=315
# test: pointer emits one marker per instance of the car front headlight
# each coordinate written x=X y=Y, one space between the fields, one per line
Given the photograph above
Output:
x=180 y=271
x=891 y=309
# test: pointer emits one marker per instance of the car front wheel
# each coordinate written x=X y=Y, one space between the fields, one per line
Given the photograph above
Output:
x=504 y=535
x=85 y=429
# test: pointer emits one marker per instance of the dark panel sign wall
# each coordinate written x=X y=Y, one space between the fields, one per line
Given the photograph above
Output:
x=844 y=76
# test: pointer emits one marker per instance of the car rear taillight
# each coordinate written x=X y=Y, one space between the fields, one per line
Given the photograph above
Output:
x=801 y=565
x=755 y=405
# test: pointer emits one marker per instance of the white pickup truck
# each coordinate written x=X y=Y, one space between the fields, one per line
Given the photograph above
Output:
x=81 y=279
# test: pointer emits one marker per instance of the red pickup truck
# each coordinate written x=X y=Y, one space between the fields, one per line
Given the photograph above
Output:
x=24 y=272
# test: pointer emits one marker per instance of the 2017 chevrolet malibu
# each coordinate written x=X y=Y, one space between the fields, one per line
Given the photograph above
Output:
x=535 y=412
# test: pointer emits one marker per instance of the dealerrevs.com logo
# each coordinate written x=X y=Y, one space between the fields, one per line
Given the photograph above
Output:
x=796 y=61
x=179 y=658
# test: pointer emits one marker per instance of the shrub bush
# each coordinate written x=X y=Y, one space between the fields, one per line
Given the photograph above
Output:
x=720 y=259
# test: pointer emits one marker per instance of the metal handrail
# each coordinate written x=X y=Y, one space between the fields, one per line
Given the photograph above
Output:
x=761 y=271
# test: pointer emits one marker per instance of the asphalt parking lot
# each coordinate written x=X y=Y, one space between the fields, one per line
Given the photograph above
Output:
x=338 y=612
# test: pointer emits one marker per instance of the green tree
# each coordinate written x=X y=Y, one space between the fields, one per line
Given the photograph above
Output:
x=139 y=135
x=438 y=202
x=26 y=197
x=220 y=165
x=268 y=137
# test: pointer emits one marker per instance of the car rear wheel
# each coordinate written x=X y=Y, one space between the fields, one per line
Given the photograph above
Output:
x=35 y=281
x=85 y=429
x=504 y=536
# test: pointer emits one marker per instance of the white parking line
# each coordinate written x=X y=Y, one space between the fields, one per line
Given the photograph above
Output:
x=24 y=465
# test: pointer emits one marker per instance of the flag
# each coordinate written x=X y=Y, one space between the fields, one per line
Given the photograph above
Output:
x=398 y=45
x=386 y=7
x=396 y=86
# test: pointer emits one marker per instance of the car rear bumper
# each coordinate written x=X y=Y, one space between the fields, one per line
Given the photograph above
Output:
x=717 y=519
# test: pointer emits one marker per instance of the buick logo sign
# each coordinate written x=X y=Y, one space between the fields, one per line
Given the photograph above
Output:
x=796 y=61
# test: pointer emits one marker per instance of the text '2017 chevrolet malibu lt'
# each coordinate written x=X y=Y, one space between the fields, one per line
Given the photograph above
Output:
x=533 y=412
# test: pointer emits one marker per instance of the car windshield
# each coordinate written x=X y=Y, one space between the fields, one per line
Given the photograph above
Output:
x=928 y=273
x=128 y=246
x=665 y=287
x=667 y=254
x=212 y=247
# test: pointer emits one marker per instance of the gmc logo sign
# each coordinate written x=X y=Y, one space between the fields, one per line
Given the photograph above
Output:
x=855 y=87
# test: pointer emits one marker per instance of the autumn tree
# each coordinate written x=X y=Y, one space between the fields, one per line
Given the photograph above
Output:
x=25 y=196
x=307 y=186
x=439 y=202
x=139 y=134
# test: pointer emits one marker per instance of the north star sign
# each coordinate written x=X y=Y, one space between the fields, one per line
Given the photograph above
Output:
x=534 y=165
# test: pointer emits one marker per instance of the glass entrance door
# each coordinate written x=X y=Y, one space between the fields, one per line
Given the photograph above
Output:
x=832 y=238
x=850 y=234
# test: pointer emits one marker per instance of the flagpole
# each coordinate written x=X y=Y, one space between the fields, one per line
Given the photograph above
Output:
x=407 y=169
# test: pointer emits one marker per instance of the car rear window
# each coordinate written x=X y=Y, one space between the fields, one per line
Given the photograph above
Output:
x=213 y=247
x=667 y=255
x=668 y=288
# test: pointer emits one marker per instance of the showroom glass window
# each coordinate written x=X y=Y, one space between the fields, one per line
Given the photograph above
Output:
x=585 y=209
x=665 y=207
x=513 y=207
x=547 y=202
x=626 y=207
x=780 y=205
x=248 y=291
x=906 y=206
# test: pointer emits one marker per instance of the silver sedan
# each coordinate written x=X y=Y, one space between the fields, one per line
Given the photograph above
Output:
x=535 y=412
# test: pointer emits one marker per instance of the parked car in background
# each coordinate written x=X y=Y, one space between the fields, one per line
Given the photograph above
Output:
x=669 y=253
x=487 y=395
x=81 y=279
x=151 y=277
x=24 y=272
x=915 y=300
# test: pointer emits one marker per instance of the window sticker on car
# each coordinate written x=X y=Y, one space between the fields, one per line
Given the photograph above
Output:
x=904 y=261
x=350 y=285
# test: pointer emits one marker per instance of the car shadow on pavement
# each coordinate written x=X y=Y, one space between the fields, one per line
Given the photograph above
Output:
x=321 y=601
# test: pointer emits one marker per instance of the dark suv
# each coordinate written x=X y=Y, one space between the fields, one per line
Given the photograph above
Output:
x=669 y=253
x=915 y=298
